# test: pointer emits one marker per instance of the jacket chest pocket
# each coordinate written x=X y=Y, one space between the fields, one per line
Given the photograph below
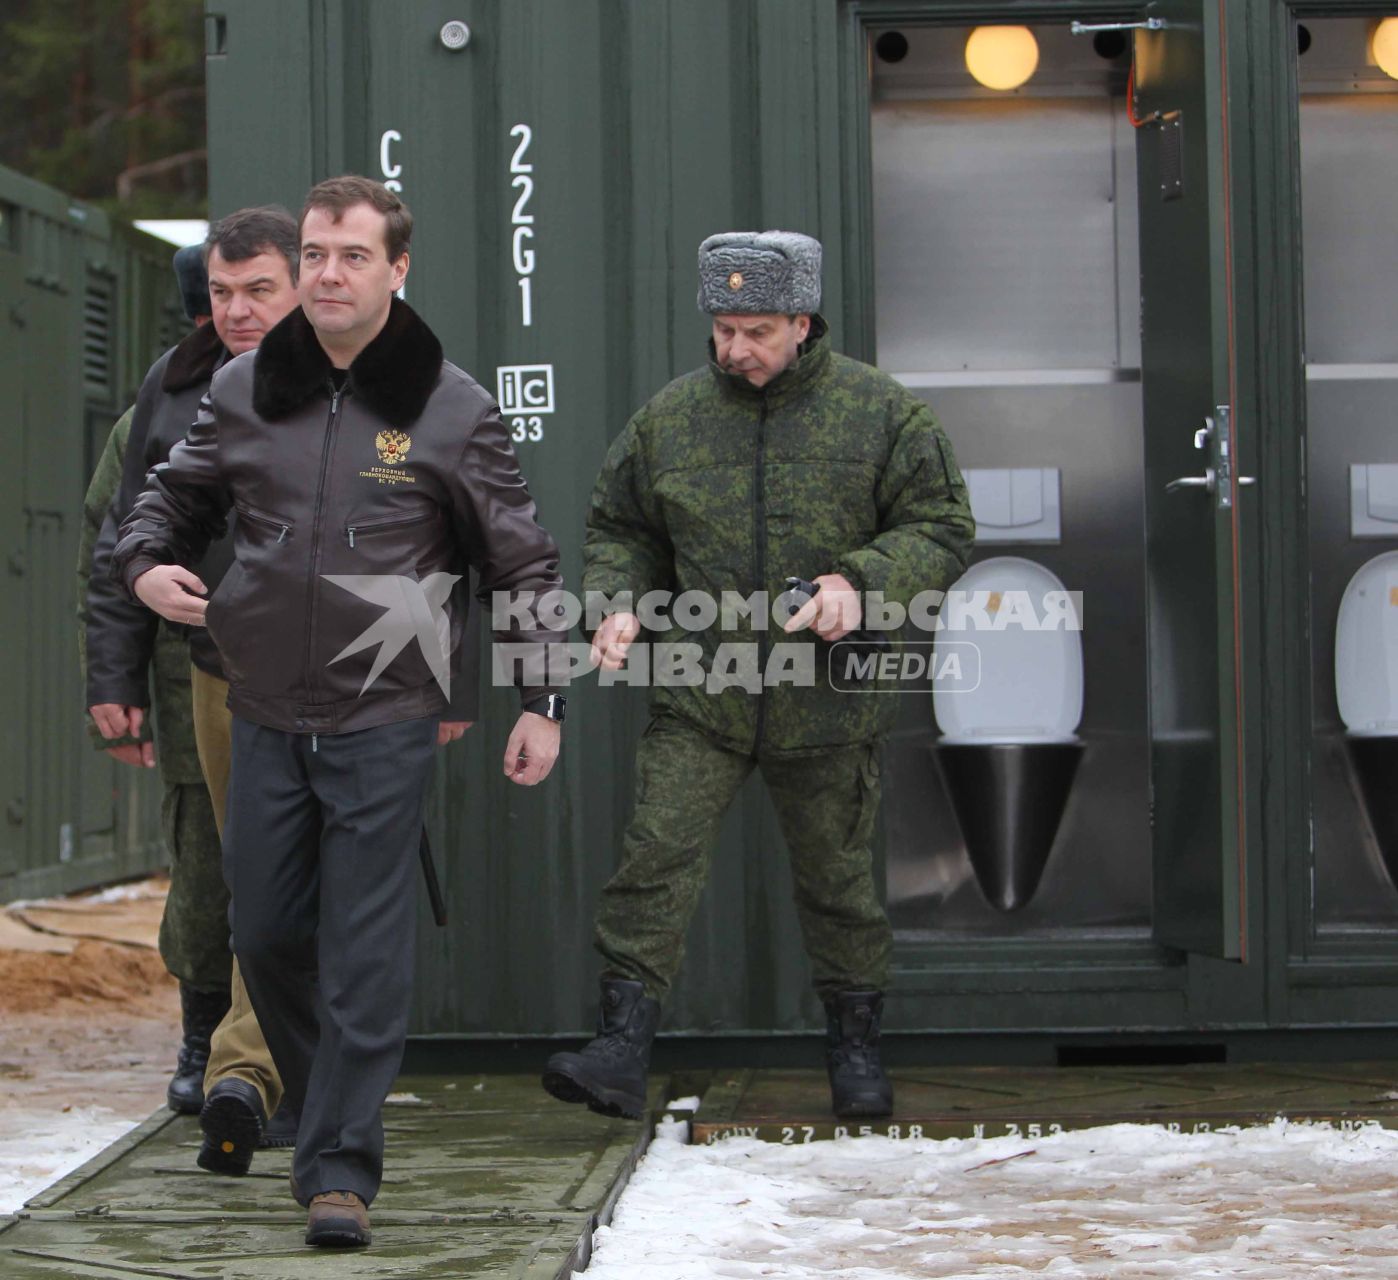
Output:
x=262 y=528
x=261 y=539
x=708 y=520
x=395 y=542
x=830 y=502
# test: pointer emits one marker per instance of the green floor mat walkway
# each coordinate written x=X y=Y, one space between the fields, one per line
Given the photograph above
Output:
x=484 y=1176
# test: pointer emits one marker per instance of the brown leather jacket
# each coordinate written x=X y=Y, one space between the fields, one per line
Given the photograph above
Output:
x=354 y=511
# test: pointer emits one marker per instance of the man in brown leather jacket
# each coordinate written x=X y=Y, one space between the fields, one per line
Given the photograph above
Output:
x=367 y=473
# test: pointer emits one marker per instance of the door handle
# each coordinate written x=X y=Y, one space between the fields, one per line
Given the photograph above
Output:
x=1206 y=481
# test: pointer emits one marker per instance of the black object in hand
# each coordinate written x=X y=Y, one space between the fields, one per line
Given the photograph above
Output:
x=799 y=586
x=860 y=643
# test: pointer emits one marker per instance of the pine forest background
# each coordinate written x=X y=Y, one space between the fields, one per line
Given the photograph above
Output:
x=104 y=99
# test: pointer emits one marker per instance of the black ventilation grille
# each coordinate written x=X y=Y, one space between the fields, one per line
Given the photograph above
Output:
x=99 y=317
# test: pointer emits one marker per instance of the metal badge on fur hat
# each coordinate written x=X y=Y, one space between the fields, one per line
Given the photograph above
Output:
x=759 y=272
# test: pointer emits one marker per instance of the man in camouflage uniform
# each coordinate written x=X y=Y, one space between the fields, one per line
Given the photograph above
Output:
x=779 y=458
x=192 y=951
x=128 y=652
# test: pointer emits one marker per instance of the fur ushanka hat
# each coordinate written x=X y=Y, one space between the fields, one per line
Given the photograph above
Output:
x=759 y=272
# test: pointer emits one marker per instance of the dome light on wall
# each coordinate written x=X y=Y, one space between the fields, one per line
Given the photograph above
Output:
x=1385 y=47
x=1002 y=57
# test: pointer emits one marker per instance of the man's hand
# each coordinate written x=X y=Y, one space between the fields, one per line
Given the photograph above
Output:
x=451 y=730
x=832 y=613
x=532 y=748
x=115 y=721
x=174 y=593
x=141 y=755
x=613 y=638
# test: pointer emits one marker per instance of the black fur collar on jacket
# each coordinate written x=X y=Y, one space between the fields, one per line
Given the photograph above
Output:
x=394 y=375
x=193 y=359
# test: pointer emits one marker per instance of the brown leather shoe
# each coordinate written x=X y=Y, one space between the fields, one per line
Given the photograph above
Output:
x=338 y=1220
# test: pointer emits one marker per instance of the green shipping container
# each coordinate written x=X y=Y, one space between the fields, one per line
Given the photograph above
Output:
x=87 y=304
x=1103 y=300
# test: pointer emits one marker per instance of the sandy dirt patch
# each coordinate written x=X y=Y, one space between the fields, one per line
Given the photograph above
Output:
x=88 y=1035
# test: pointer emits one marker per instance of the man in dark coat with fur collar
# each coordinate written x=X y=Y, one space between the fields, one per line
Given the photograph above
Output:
x=129 y=654
x=368 y=475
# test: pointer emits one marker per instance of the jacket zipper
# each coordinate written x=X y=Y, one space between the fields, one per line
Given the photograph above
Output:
x=257 y=517
x=760 y=534
x=331 y=423
x=390 y=522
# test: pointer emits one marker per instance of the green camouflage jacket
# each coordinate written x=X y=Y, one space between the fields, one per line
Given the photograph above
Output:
x=716 y=486
x=176 y=754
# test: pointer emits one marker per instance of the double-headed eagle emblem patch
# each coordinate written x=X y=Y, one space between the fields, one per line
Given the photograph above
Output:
x=393 y=446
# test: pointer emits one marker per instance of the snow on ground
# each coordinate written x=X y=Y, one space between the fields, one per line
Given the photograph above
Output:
x=130 y=891
x=1122 y=1202
x=87 y=1040
x=72 y=1081
x=88 y=1033
x=51 y=1146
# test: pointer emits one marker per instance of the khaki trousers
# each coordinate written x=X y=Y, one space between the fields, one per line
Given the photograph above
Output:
x=237 y=1050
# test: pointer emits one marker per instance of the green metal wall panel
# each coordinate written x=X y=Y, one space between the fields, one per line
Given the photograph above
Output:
x=86 y=306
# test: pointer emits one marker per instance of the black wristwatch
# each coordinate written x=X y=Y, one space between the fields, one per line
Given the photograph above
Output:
x=552 y=706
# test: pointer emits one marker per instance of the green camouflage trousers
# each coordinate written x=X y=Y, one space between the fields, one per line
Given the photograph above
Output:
x=826 y=803
x=194 y=928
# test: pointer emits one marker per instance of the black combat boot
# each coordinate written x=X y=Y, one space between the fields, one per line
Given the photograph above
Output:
x=858 y=1086
x=233 y=1120
x=609 y=1074
x=281 y=1128
x=201 y=1012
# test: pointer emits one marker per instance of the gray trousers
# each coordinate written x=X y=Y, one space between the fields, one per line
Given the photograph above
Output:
x=320 y=854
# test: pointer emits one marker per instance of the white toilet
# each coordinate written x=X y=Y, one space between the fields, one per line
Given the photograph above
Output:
x=1031 y=684
x=1008 y=748
x=1366 y=650
x=1366 y=688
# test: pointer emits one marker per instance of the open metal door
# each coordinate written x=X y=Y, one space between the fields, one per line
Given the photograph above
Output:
x=1191 y=499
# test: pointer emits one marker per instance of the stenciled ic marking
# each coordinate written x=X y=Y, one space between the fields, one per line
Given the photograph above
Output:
x=524 y=388
x=525 y=393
